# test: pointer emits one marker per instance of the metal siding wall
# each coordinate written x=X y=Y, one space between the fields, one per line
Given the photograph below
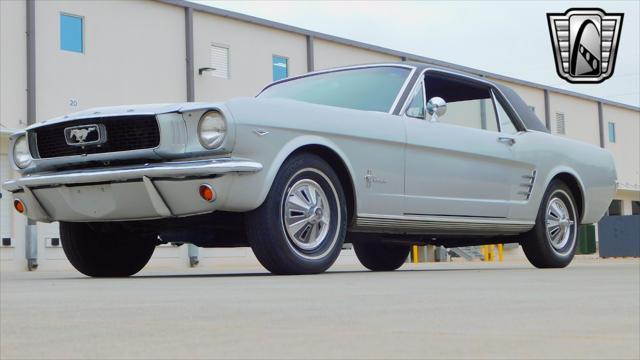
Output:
x=250 y=51
x=626 y=149
x=580 y=117
x=330 y=54
x=134 y=53
x=13 y=65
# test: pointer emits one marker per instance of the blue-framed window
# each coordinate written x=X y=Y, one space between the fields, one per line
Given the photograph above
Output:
x=280 y=65
x=72 y=33
x=612 y=132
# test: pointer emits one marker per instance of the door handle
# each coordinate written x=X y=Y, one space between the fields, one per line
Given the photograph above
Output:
x=507 y=140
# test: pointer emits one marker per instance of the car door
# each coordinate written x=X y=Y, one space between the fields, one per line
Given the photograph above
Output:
x=526 y=151
x=458 y=165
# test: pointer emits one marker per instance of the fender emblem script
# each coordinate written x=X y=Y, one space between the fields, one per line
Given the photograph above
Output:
x=370 y=179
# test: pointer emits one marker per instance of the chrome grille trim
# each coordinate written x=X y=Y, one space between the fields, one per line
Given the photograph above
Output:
x=121 y=133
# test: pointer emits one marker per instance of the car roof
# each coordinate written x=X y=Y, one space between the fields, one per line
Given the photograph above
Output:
x=527 y=117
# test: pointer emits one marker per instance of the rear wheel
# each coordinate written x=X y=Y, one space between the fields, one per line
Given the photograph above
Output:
x=552 y=242
x=379 y=256
x=301 y=225
x=105 y=254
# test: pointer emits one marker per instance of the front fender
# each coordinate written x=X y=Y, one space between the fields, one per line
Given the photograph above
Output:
x=289 y=148
x=249 y=191
x=594 y=202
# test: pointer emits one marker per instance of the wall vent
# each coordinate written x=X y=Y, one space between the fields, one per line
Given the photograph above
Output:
x=219 y=61
x=6 y=242
x=560 y=124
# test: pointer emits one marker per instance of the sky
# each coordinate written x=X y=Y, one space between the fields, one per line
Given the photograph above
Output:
x=505 y=37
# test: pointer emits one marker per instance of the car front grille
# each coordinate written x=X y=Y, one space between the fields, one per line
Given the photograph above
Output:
x=123 y=133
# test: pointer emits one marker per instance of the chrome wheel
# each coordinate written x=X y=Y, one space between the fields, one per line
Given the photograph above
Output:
x=306 y=214
x=559 y=224
x=551 y=243
x=300 y=226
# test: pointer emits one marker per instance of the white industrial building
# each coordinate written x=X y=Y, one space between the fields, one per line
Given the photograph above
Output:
x=63 y=56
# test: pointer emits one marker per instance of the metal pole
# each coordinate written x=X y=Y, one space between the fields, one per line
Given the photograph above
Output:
x=31 y=232
x=547 y=110
x=483 y=114
x=310 y=54
x=601 y=124
x=192 y=250
x=188 y=31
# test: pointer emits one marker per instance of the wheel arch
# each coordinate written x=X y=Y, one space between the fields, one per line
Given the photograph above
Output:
x=328 y=151
x=575 y=185
x=337 y=163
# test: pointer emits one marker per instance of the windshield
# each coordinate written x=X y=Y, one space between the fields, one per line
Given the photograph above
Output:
x=372 y=89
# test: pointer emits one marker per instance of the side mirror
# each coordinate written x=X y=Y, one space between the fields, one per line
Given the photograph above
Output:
x=436 y=107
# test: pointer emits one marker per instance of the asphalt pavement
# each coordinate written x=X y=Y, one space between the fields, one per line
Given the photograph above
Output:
x=444 y=310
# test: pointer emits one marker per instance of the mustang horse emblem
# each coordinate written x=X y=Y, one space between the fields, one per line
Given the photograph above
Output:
x=85 y=135
x=81 y=134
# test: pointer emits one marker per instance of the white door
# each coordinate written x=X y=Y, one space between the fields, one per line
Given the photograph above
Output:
x=459 y=165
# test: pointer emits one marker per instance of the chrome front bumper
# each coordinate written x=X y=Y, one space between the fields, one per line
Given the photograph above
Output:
x=128 y=193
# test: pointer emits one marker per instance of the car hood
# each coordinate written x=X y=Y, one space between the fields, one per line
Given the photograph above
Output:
x=127 y=110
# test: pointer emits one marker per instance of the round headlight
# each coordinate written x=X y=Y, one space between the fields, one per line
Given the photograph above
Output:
x=21 y=155
x=211 y=129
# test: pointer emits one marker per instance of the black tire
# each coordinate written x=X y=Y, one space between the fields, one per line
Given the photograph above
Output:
x=379 y=256
x=281 y=249
x=539 y=245
x=105 y=254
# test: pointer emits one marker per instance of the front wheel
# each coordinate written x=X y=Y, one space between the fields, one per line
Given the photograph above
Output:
x=105 y=254
x=552 y=242
x=301 y=225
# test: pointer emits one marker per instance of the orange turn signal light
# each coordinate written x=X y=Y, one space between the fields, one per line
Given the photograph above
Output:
x=19 y=205
x=207 y=192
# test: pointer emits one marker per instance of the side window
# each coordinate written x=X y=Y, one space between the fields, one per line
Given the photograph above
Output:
x=280 y=67
x=612 y=132
x=506 y=124
x=416 y=106
x=469 y=104
x=72 y=33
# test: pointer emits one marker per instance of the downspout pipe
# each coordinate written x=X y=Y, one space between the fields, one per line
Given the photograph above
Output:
x=31 y=232
x=192 y=251
x=188 y=31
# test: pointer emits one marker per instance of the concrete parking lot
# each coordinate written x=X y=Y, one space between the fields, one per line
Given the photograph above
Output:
x=450 y=310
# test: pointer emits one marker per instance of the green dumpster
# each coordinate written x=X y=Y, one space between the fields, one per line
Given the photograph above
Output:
x=587 y=239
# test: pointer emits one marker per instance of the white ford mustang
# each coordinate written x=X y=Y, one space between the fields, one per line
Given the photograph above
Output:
x=382 y=156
